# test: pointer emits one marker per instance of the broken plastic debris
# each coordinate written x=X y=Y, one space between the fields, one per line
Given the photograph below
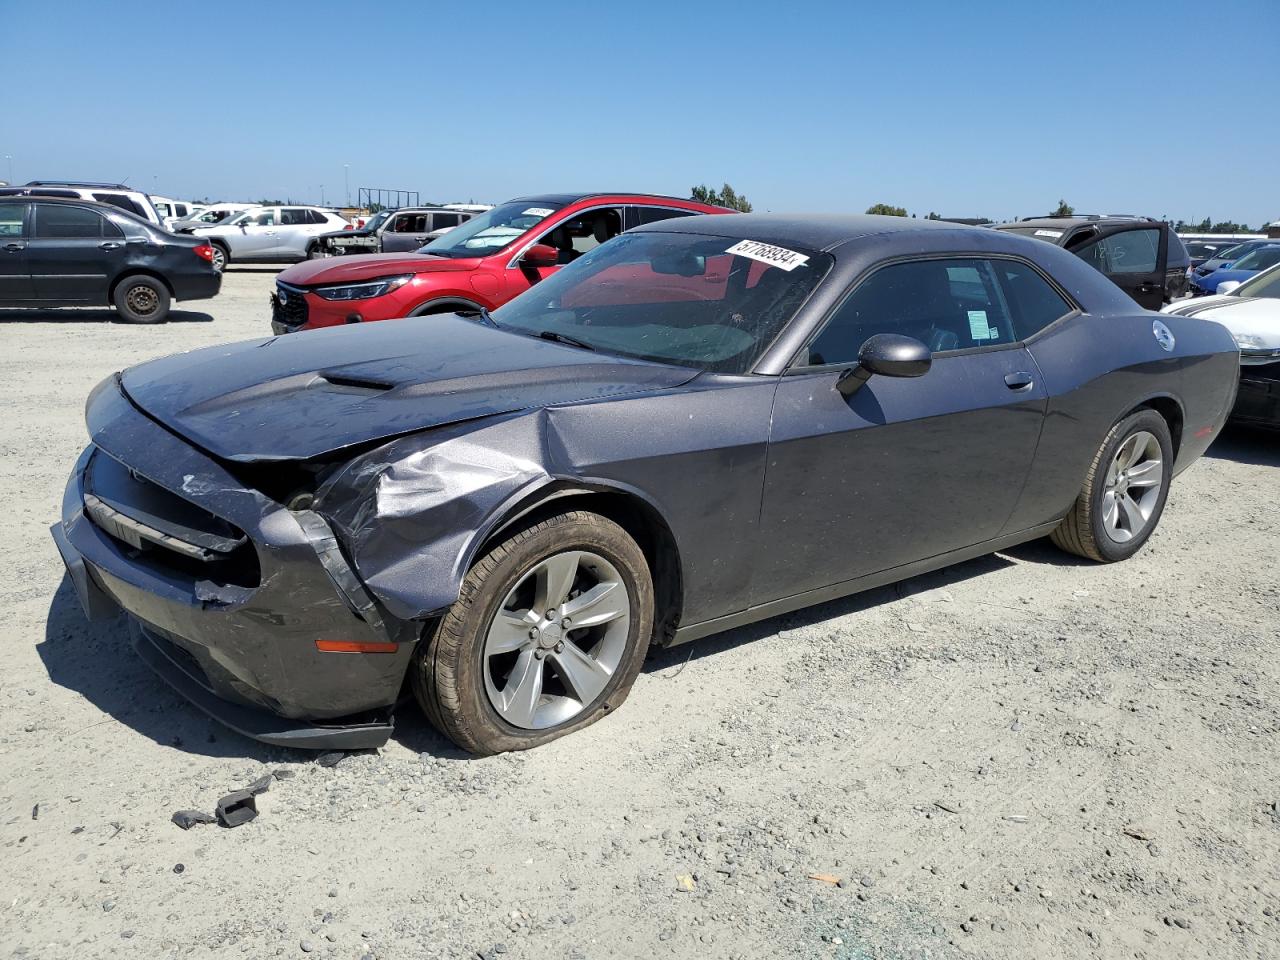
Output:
x=187 y=819
x=825 y=878
x=330 y=759
x=260 y=786
x=237 y=808
x=684 y=883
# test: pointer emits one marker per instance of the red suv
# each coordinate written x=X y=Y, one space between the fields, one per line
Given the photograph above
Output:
x=483 y=263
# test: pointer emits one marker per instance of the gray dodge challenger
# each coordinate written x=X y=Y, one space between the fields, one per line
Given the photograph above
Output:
x=698 y=424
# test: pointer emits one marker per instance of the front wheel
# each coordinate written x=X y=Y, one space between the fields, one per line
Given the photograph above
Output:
x=548 y=634
x=141 y=300
x=221 y=257
x=1124 y=492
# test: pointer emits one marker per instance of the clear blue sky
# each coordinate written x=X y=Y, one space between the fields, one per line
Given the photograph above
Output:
x=966 y=108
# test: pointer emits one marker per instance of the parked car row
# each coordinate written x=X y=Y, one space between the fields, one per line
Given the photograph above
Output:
x=1234 y=265
x=390 y=231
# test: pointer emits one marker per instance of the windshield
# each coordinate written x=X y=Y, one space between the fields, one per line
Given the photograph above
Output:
x=1265 y=284
x=377 y=220
x=1259 y=259
x=241 y=218
x=1232 y=252
x=713 y=303
x=490 y=232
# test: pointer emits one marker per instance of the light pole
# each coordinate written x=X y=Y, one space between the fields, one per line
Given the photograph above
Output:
x=10 y=159
x=322 y=194
x=346 y=179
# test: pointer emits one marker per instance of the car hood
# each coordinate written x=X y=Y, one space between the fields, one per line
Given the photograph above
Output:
x=368 y=266
x=1252 y=316
x=307 y=395
x=1211 y=281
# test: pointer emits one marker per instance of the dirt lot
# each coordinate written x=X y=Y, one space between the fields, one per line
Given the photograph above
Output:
x=1022 y=756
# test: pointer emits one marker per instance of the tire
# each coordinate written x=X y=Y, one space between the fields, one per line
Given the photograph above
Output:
x=1101 y=525
x=221 y=257
x=141 y=299
x=456 y=676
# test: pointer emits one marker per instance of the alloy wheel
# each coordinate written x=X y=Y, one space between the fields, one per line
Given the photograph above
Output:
x=556 y=641
x=1132 y=491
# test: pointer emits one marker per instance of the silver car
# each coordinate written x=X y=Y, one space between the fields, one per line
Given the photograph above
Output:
x=269 y=234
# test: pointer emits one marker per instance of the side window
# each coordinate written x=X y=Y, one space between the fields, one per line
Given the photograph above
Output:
x=410 y=223
x=58 y=222
x=1133 y=251
x=441 y=220
x=121 y=201
x=317 y=217
x=946 y=304
x=11 y=219
x=580 y=234
x=643 y=215
x=293 y=217
x=1033 y=303
x=265 y=219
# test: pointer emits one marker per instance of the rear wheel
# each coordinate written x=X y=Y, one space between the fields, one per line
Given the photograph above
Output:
x=141 y=300
x=1124 y=492
x=547 y=636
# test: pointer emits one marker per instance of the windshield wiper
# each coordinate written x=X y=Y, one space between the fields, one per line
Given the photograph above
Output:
x=564 y=338
x=483 y=313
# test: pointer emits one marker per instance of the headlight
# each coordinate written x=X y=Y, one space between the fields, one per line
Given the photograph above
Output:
x=366 y=290
x=1247 y=341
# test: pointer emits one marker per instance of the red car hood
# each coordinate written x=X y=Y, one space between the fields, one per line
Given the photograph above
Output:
x=326 y=270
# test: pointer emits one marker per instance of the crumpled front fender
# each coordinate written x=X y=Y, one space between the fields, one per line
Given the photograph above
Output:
x=410 y=512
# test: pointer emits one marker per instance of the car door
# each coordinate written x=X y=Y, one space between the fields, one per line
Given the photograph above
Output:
x=256 y=238
x=15 y=271
x=74 y=253
x=405 y=231
x=570 y=236
x=295 y=232
x=904 y=468
x=1131 y=258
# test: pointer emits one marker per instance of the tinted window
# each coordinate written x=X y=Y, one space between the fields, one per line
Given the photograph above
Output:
x=1259 y=259
x=121 y=201
x=1177 y=253
x=45 y=192
x=11 y=219
x=317 y=216
x=946 y=304
x=58 y=222
x=1033 y=303
x=410 y=223
x=441 y=220
x=291 y=216
x=1133 y=251
x=654 y=214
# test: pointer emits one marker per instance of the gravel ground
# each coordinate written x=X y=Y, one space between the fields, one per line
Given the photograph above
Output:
x=1025 y=755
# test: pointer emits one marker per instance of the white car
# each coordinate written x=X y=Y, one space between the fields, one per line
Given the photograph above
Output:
x=171 y=211
x=269 y=234
x=117 y=194
x=1251 y=311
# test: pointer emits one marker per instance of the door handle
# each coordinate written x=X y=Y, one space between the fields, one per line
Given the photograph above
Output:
x=15 y=247
x=109 y=245
x=1019 y=381
x=1149 y=286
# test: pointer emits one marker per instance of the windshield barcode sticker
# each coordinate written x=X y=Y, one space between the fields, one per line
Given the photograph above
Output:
x=538 y=212
x=779 y=257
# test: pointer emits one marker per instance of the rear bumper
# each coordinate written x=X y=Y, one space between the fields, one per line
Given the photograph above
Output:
x=244 y=652
x=199 y=286
x=1258 y=399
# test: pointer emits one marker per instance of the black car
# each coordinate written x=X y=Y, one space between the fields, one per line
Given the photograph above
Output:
x=63 y=253
x=1143 y=257
x=698 y=424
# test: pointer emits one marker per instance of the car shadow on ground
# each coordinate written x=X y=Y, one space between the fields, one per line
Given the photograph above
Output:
x=97 y=661
x=661 y=660
x=94 y=315
x=1247 y=445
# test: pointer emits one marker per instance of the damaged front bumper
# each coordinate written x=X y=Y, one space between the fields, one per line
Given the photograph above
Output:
x=229 y=591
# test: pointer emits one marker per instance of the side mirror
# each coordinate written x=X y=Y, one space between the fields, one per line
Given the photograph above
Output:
x=540 y=255
x=889 y=355
x=1226 y=286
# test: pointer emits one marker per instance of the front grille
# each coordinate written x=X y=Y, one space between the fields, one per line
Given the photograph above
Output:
x=289 y=305
x=166 y=532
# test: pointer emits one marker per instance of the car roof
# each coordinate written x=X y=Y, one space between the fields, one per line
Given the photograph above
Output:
x=814 y=232
x=80 y=202
x=568 y=198
x=1075 y=221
